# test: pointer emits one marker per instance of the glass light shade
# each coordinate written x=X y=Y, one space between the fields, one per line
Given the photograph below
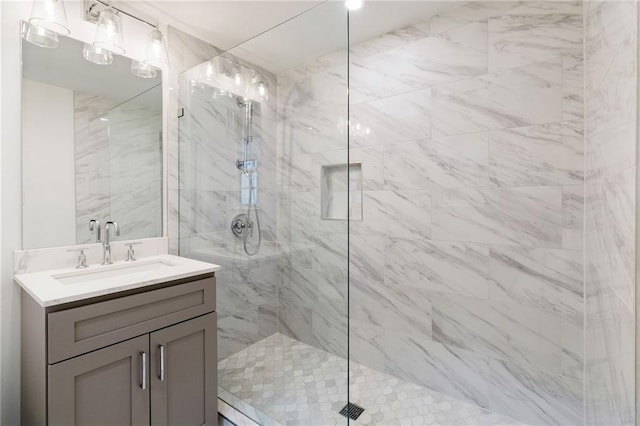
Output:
x=242 y=80
x=97 y=55
x=50 y=15
x=262 y=90
x=207 y=72
x=157 y=49
x=226 y=68
x=143 y=69
x=40 y=36
x=109 y=32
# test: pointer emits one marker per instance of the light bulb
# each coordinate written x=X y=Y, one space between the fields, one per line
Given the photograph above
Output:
x=353 y=4
x=238 y=79
x=208 y=70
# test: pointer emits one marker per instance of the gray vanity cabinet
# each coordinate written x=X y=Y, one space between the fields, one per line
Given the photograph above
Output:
x=101 y=387
x=141 y=357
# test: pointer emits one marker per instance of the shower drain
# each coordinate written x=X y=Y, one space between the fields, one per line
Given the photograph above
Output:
x=352 y=411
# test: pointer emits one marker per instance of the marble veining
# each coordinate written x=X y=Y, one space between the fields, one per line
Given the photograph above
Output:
x=548 y=154
x=523 y=336
x=459 y=268
x=550 y=279
x=534 y=32
x=530 y=94
x=518 y=216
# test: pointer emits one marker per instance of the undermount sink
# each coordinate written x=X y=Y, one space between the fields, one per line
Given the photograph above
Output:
x=112 y=271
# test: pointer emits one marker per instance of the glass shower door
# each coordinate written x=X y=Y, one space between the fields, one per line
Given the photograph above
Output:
x=264 y=192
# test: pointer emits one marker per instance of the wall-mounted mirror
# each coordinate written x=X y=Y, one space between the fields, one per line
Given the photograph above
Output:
x=92 y=147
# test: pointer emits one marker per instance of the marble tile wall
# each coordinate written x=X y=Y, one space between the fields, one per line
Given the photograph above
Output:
x=611 y=43
x=466 y=272
x=118 y=166
x=204 y=195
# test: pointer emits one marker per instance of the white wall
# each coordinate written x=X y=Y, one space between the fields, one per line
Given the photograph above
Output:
x=11 y=222
x=1 y=204
x=48 y=164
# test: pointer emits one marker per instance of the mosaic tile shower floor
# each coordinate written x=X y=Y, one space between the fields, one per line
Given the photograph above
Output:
x=296 y=384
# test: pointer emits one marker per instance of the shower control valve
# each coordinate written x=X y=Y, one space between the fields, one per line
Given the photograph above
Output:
x=241 y=225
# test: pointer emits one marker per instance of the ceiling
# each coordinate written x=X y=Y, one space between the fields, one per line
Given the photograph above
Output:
x=223 y=23
x=226 y=24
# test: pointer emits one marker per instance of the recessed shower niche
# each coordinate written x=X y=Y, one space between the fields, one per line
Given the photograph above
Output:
x=341 y=192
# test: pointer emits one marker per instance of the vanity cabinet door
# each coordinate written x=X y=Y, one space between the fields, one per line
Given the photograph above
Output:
x=183 y=374
x=104 y=387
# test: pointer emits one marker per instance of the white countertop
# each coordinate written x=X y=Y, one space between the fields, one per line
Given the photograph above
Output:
x=49 y=291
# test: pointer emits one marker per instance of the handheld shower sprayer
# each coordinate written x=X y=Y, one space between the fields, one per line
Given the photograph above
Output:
x=242 y=225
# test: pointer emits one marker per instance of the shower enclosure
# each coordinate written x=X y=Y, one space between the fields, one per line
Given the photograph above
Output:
x=412 y=216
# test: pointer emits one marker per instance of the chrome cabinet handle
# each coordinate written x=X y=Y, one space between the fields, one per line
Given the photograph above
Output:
x=143 y=357
x=161 y=376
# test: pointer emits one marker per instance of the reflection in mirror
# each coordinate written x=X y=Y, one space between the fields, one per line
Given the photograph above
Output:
x=92 y=147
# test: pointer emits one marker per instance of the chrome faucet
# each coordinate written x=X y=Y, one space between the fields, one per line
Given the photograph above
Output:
x=106 y=245
x=95 y=224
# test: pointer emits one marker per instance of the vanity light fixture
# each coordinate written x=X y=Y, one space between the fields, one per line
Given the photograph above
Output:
x=233 y=79
x=353 y=4
x=109 y=36
x=50 y=15
x=40 y=36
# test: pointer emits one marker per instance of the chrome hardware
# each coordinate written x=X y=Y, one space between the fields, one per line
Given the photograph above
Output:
x=143 y=358
x=82 y=258
x=106 y=245
x=241 y=225
x=161 y=375
x=131 y=255
x=95 y=224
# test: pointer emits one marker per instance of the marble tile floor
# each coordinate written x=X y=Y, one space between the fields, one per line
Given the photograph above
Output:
x=296 y=384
